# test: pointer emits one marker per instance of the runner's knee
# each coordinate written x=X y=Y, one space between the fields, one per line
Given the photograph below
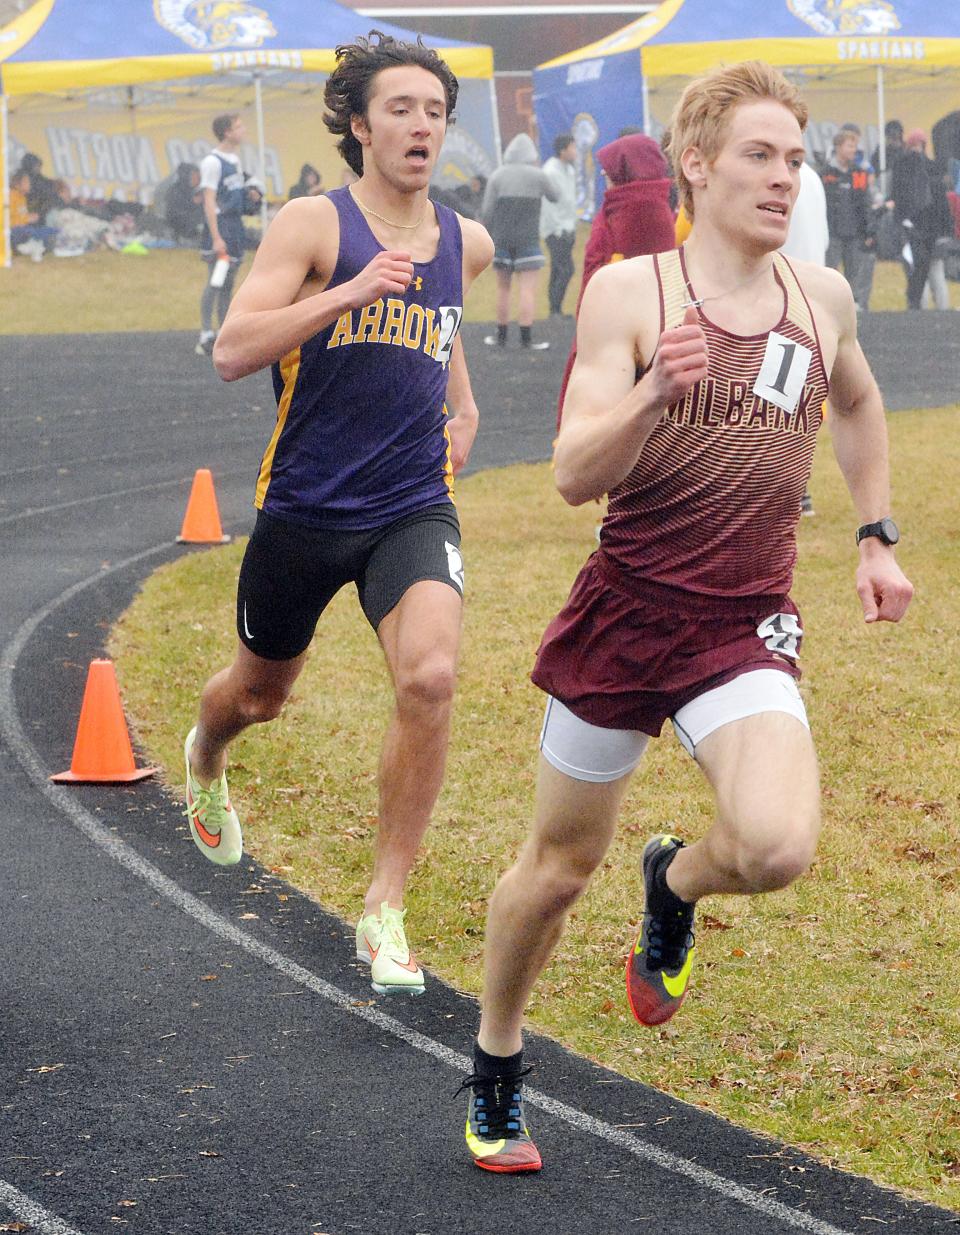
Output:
x=776 y=862
x=262 y=702
x=427 y=685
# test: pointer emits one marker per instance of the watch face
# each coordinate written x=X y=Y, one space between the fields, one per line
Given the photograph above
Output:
x=891 y=533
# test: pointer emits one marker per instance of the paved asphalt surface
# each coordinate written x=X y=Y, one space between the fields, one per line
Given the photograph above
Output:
x=279 y=1098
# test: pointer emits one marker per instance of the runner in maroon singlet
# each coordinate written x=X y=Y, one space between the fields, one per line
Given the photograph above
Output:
x=694 y=404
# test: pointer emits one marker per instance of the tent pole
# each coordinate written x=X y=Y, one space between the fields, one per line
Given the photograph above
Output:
x=4 y=186
x=261 y=151
x=645 y=96
x=132 y=106
x=882 y=124
x=496 y=121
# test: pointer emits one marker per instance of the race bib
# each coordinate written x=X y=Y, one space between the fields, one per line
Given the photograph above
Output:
x=783 y=372
x=450 y=317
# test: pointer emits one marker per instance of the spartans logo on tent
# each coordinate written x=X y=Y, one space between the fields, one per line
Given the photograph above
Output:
x=847 y=16
x=206 y=25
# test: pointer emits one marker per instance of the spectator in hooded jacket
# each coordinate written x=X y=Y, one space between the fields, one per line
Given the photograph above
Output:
x=511 y=213
x=634 y=217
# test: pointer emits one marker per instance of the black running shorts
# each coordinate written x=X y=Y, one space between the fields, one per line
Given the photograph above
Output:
x=290 y=573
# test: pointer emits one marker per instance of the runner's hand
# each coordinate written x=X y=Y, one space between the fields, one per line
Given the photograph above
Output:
x=389 y=274
x=883 y=588
x=680 y=360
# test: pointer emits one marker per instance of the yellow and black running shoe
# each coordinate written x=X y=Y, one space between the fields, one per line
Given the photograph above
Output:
x=497 y=1134
x=658 y=967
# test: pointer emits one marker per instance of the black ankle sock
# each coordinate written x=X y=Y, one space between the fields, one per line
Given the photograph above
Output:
x=526 y=336
x=665 y=900
x=501 y=334
x=495 y=1065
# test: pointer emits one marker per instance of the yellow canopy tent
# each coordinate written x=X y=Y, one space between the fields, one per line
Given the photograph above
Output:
x=854 y=60
x=113 y=95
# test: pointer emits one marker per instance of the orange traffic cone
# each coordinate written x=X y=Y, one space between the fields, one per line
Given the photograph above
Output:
x=201 y=523
x=102 y=751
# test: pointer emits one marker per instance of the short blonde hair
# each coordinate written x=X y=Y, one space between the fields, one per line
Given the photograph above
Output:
x=702 y=115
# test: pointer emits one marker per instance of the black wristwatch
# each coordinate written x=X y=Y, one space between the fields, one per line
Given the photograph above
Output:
x=885 y=531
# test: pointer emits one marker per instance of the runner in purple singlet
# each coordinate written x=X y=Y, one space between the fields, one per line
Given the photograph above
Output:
x=356 y=299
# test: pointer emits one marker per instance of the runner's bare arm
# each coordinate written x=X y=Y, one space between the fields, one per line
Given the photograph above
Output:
x=465 y=416
x=477 y=250
x=859 y=430
x=607 y=414
x=268 y=317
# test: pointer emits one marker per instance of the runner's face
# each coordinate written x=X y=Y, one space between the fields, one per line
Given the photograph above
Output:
x=752 y=184
x=405 y=126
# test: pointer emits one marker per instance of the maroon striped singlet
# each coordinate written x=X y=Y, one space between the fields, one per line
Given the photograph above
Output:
x=713 y=502
x=689 y=587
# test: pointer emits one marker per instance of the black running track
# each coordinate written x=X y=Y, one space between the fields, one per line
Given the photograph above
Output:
x=136 y=1096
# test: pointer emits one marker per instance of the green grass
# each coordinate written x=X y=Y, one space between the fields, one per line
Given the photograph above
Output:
x=107 y=291
x=825 y=1015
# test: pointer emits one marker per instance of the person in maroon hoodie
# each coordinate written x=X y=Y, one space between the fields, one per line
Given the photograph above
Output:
x=634 y=217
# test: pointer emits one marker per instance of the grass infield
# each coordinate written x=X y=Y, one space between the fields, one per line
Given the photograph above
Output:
x=825 y=1015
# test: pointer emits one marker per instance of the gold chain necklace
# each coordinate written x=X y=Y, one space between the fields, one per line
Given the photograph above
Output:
x=696 y=303
x=407 y=227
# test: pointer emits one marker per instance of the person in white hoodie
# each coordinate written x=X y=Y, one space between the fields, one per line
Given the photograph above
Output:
x=511 y=213
x=558 y=220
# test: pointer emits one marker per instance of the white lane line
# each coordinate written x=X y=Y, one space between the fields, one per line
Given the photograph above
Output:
x=194 y=908
x=32 y=512
x=38 y=1218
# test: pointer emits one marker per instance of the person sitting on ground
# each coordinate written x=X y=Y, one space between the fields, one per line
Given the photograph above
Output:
x=183 y=208
x=310 y=183
x=27 y=234
x=43 y=192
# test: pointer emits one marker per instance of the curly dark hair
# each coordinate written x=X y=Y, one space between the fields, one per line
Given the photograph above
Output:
x=348 y=88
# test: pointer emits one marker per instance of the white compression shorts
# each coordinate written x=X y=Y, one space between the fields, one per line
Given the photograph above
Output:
x=588 y=752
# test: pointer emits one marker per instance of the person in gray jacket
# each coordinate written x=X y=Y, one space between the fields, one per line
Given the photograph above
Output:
x=511 y=213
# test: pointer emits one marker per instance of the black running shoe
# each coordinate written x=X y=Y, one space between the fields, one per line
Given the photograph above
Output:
x=497 y=1133
x=658 y=968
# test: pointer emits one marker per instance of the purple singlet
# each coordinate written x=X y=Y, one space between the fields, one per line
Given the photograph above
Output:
x=361 y=436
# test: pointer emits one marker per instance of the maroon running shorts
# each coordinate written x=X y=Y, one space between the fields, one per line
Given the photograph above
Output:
x=624 y=653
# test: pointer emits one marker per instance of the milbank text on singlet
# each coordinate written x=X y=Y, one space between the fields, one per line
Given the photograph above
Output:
x=724 y=403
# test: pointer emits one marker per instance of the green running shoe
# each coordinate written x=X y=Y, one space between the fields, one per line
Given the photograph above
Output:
x=496 y=1131
x=214 y=825
x=658 y=967
x=382 y=943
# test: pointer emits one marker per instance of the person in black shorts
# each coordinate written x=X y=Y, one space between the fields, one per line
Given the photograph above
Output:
x=355 y=300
